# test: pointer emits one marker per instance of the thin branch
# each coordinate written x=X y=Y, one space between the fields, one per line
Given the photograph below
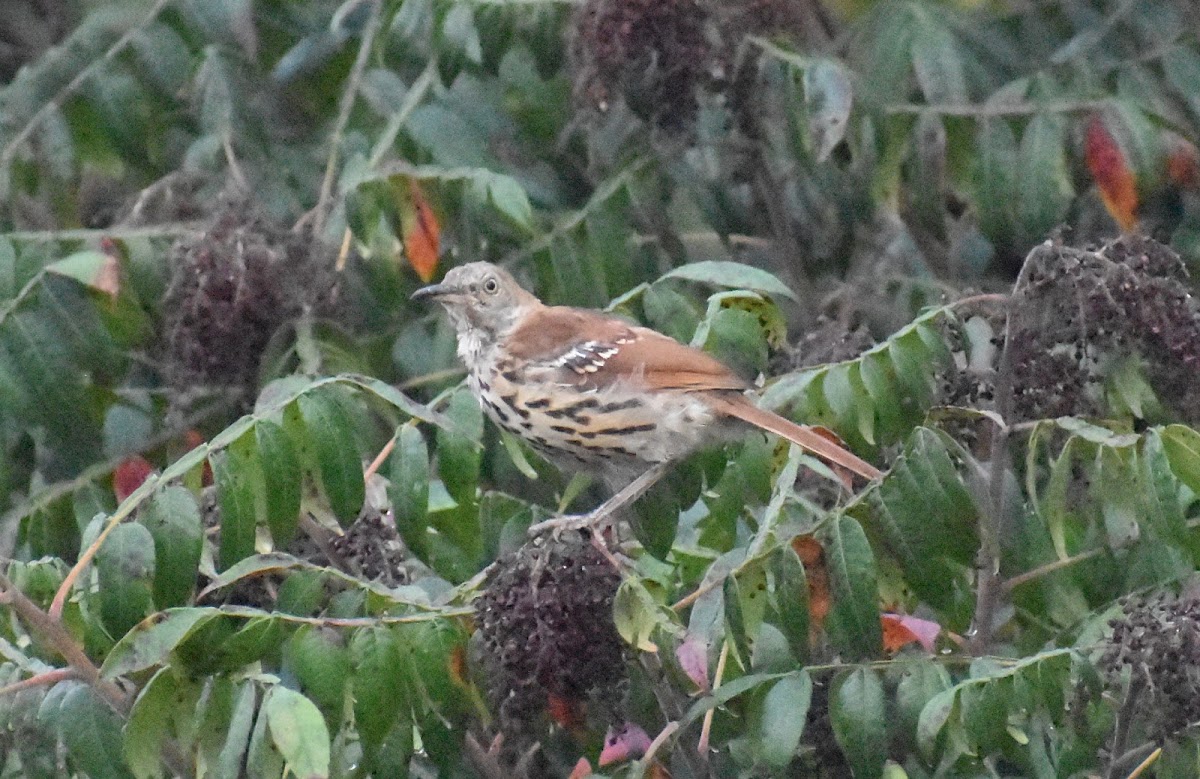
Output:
x=58 y=639
x=998 y=109
x=412 y=98
x=40 y=680
x=349 y=95
x=117 y=233
x=56 y=102
x=718 y=677
x=1049 y=568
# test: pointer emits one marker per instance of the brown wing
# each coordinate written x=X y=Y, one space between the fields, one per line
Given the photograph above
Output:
x=592 y=349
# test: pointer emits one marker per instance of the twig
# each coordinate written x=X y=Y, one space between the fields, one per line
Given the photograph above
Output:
x=40 y=680
x=343 y=118
x=55 y=103
x=412 y=98
x=718 y=677
x=664 y=734
x=1149 y=761
x=380 y=458
x=58 y=639
x=1121 y=728
x=997 y=109
x=168 y=230
x=1049 y=568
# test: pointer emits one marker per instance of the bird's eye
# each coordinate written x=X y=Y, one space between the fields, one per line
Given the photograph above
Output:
x=491 y=286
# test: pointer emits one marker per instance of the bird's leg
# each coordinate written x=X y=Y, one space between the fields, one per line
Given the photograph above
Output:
x=620 y=499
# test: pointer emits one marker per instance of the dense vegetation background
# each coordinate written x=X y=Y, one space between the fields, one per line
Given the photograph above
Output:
x=249 y=509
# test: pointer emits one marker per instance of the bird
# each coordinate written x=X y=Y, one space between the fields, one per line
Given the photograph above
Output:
x=592 y=392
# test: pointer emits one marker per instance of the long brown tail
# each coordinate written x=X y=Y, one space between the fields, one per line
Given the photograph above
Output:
x=741 y=407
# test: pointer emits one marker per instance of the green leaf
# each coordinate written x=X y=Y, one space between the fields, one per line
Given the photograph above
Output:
x=320 y=661
x=790 y=598
x=408 y=488
x=125 y=565
x=510 y=199
x=828 y=98
x=1119 y=490
x=784 y=713
x=86 y=267
x=149 y=724
x=378 y=683
x=241 y=722
x=919 y=684
x=855 y=592
x=937 y=61
x=732 y=275
x=237 y=474
x=1043 y=177
x=173 y=519
x=333 y=444
x=458 y=457
x=298 y=731
x=858 y=711
x=994 y=181
x=91 y=731
x=153 y=640
x=1182 y=445
x=282 y=479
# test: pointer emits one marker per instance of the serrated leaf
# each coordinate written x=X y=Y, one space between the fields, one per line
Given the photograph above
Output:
x=237 y=738
x=332 y=443
x=994 y=181
x=378 y=683
x=857 y=711
x=125 y=565
x=855 y=592
x=408 y=487
x=282 y=480
x=237 y=474
x=791 y=599
x=320 y=661
x=298 y=731
x=1043 y=177
x=89 y=728
x=151 y=642
x=173 y=519
x=458 y=457
x=919 y=684
x=148 y=724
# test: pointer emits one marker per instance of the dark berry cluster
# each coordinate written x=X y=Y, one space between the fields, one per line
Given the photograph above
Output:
x=546 y=629
x=232 y=287
x=1079 y=314
x=1155 y=655
x=650 y=53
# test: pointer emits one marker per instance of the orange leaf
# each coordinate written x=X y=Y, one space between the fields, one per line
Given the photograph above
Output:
x=812 y=554
x=900 y=630
x=1109 y=167
x=108 y=277
x=581 y=770
x=422 y=233
x=129 y=475
x=658 y=771
x=458 y=666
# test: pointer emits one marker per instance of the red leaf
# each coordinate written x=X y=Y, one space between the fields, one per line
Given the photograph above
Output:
x=1109 y=167
x=129 y=475
x=422 y=233
x=628 y=743
x=581 y=770
x=900 y=630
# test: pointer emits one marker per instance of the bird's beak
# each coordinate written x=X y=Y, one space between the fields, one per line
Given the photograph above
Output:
x=434 y=291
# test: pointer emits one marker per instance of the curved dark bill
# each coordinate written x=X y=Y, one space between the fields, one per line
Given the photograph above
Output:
x=432 y=291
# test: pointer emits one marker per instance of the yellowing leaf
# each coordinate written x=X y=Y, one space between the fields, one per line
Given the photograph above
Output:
x=1109 y=167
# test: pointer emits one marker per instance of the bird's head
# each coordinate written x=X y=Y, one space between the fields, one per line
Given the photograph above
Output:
x=480 y=296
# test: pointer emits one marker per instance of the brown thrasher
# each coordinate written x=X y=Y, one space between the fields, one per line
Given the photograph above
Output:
x=592 y=392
